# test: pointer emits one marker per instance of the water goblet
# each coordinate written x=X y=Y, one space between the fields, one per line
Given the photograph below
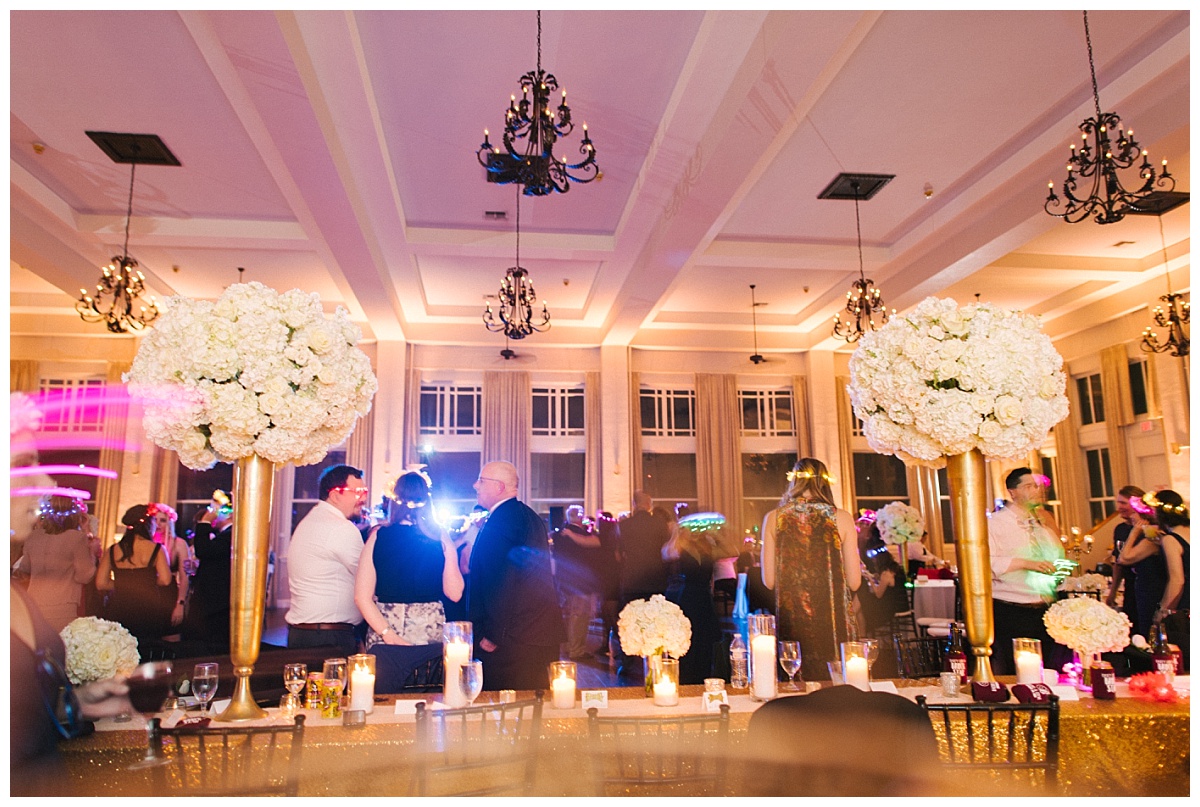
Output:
x=295 y=676
x=470 y=680
x=789 y=660
x=872 y=652
x=204 y=684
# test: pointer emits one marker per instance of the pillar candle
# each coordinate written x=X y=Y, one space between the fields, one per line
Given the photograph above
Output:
x=563 y=692
x=456 y=654
x=762 y=659
x=1029 y=668
x=666 y=693
x=856 y=673
x=362 y=690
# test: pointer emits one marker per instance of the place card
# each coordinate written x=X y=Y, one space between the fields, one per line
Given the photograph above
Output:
x=593 y=699
x=884 y=686
x=714 y=700
x=1066 y=693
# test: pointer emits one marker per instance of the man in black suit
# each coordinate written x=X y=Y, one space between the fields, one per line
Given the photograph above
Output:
x=512 y=603
x=643 y=571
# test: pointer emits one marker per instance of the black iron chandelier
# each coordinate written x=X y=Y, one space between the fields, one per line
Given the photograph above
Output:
x=864 y=300
x=516 y=300
x=534 y=121
x=1099 y=161
x=120 y=288
x=1174 y=317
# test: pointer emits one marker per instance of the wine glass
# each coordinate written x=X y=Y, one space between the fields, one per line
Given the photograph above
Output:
x=295 y=676
x=872 y=653
x=470 y=680
x=204 y=684
x=789 y=660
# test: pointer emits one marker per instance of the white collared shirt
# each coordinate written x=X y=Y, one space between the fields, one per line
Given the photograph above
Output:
x=322 y=561
x=1014 y=533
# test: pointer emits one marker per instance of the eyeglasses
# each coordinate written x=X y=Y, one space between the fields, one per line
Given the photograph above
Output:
x=489 y=479
x=58 y=696
x=360 y=493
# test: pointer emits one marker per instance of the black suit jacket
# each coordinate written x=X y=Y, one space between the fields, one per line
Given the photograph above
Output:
x=512 y=598
x=642 y=569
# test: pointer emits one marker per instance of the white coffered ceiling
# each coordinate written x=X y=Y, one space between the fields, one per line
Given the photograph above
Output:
x=335 y=152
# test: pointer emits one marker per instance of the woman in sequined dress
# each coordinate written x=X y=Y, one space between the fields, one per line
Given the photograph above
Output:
x=810 y=558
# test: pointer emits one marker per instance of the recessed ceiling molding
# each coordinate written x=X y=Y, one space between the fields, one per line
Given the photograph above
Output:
x=570 y=245
x=192 y=228
x=774 y=254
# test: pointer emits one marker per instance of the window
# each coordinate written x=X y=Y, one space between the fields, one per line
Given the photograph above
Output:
x=943 y=482
x=668 y=412
x=1137 y=387
x=669 y=478
x=556 y=480
x=1101 y=501
x=767 y=413
x=195 y=489
x=1091 y=400
x=557 y=411
x=764 y=479
x=453 y=474
x=878 y=480
x=74 y=456
x=306 y=490
x=72 y=404
x=450 y=409
x=1050 y=471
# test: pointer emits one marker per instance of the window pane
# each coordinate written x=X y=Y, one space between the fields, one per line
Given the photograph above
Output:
x=783 y=414
x=1137 y=387
x=453 y=474
x=429 y=412
x=1048 y=472
x=308 y=477
x=879 y=475
x=669 y=476
x=1085 y=401
x=67 y=456
x=199 y=485
x=681 y=409
x=750 y=419
x=541 y=411
x=1106 y=472
x=1097 y=400
x=1095 y=479
x=575 y=418
x=765 y=475
x=1097 y=511
x=465 y=420
x=556 y=476
x=650 y=422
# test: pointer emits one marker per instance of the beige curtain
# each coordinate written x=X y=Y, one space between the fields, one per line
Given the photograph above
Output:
x=507 y=421
x=1153 y=403
x=1118 y=410
x=164 y=476
x=800 y=417
x=409 y=455
x=112 y=452
x=923 y=495
x=845 y=419
x=1071 y=484
x=23 y=376
x=593 y=459
x=635 y=433
x=359 y=448
x=719 y=446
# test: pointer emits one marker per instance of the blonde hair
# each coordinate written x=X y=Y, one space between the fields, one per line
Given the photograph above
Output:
x=809 y=479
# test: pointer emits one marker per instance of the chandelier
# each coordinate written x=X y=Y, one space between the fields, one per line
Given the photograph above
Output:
x=1174 y=318
x=864 y=300
x=534 y=121
x=1099 y=160
x=514 y=314
x=120 y=287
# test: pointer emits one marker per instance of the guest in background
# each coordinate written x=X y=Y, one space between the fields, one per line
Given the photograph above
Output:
x=206 y=626
x=690 y=553
x=178 y=554
x=885 y=595
x=609 y=569
x=57 y=559
x=576 y=552
x=643 y=573
x=1130 y=521
x=134 y=572
x=810 y=558
x=1171 y=536
x=464 y=541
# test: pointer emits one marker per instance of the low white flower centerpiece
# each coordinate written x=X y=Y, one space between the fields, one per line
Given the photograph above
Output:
x=652 y=629
x=98 y=649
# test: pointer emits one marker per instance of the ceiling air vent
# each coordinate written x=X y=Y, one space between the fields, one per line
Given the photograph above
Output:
x=1158 y=202
x=495 y=215
x=842 y=186
x=143 y=149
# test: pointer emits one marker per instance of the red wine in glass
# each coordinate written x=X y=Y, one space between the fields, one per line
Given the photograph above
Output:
x=149 y=685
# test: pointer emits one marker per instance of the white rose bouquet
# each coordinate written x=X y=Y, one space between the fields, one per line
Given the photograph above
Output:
x=899 y=523
x=97 y=649
x=254 y=373
x=657 y=625
x=947 y=379
x=1085 y=582
x=1087 y=626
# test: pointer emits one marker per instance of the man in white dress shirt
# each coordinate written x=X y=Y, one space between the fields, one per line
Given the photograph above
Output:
x=322 y=562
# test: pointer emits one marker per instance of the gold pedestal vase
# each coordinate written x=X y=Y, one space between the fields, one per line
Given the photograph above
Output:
x=253 y=485
x=968 y=504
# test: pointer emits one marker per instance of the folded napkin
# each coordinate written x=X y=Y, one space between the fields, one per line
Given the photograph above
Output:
x=991 y=692
x=1032 y=693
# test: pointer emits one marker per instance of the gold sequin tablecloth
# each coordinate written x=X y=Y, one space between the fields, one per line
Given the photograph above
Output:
x=1107 y=748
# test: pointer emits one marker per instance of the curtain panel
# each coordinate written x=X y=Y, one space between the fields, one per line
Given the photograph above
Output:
x=507 y=421
x=635 y=433
x=719 y=447
x=112 y=452
x=360 y=445
x=800 y=417
x=593 y=438
x=23 y=376
x=845 y=420
x=1118 y=410
x=1072 y=489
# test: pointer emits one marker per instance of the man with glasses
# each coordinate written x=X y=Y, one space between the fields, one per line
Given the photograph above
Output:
x=513 y=605
x=322 y=562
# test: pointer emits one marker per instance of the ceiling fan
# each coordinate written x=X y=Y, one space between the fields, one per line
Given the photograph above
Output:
x=508 y=354
x=757 y=358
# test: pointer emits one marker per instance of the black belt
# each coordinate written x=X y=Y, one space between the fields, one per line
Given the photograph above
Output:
x=1022 y=604
x=321 y=625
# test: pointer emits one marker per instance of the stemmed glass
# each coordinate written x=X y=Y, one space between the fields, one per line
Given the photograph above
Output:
x=295 y=676
x=204 y=684
x=872 y=653
x=470 y=680
x=789 y=660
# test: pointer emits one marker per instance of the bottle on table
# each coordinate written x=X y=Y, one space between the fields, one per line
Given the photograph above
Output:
x=738 y=671
x=741 y=611
x=1164 y=659
x=956 y=656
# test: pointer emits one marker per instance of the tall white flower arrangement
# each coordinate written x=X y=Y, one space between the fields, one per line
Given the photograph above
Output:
x=653 y=626
x=899 y=523
x=254 y=373
x=946 y=379
x=97 y=649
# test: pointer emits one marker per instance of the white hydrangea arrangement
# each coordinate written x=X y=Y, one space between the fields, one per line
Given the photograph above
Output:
x=946 y=379
x=1087 y=626
x=899 y=523
x=1084 y=582
x=654 y=626
x=254 y=373
x=98 y=649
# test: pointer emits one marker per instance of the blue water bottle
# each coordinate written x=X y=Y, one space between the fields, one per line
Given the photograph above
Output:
x=741 y=610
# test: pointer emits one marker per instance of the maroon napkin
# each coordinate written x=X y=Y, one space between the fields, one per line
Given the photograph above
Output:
x=1032 y=693
x=193 y=723
x=993 y=692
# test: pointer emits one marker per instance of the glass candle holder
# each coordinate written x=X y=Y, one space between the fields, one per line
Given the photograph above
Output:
x=764 y=685
x=362 y=682
x=666 y=683
x=855 y=668
x=562 y=684
x=1027 y=655
x=332 y=685
x=714 y=684
x=289 y=704
x=458 y=641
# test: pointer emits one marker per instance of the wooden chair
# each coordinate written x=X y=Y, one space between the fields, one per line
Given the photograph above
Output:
x=1016 y=740
x=654 y=755
x=477 y=750
x=919 y=658
x=227 y=761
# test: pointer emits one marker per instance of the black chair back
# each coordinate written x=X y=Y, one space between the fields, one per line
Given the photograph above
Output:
x=658 y=755
x=226 y=761
x=919 y=658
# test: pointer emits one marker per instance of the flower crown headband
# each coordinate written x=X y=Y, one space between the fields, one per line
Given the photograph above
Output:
x=1153 y=502
x=158 y=507
x=792 y=476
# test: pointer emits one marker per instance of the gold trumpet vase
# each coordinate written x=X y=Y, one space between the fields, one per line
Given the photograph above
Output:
x=968 y=505
x=253 y=485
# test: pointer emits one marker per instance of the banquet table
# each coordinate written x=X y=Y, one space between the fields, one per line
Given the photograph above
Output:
x=1120 y=747
x=933 y=598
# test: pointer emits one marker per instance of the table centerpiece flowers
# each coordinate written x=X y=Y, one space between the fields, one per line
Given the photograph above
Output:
x=1088 y=627
x=652 y=629
x=98 y=649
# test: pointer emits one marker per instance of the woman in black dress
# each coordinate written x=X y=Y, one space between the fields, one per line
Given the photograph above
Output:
x=134 y=572
x=206 y=626
x=690 y=554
